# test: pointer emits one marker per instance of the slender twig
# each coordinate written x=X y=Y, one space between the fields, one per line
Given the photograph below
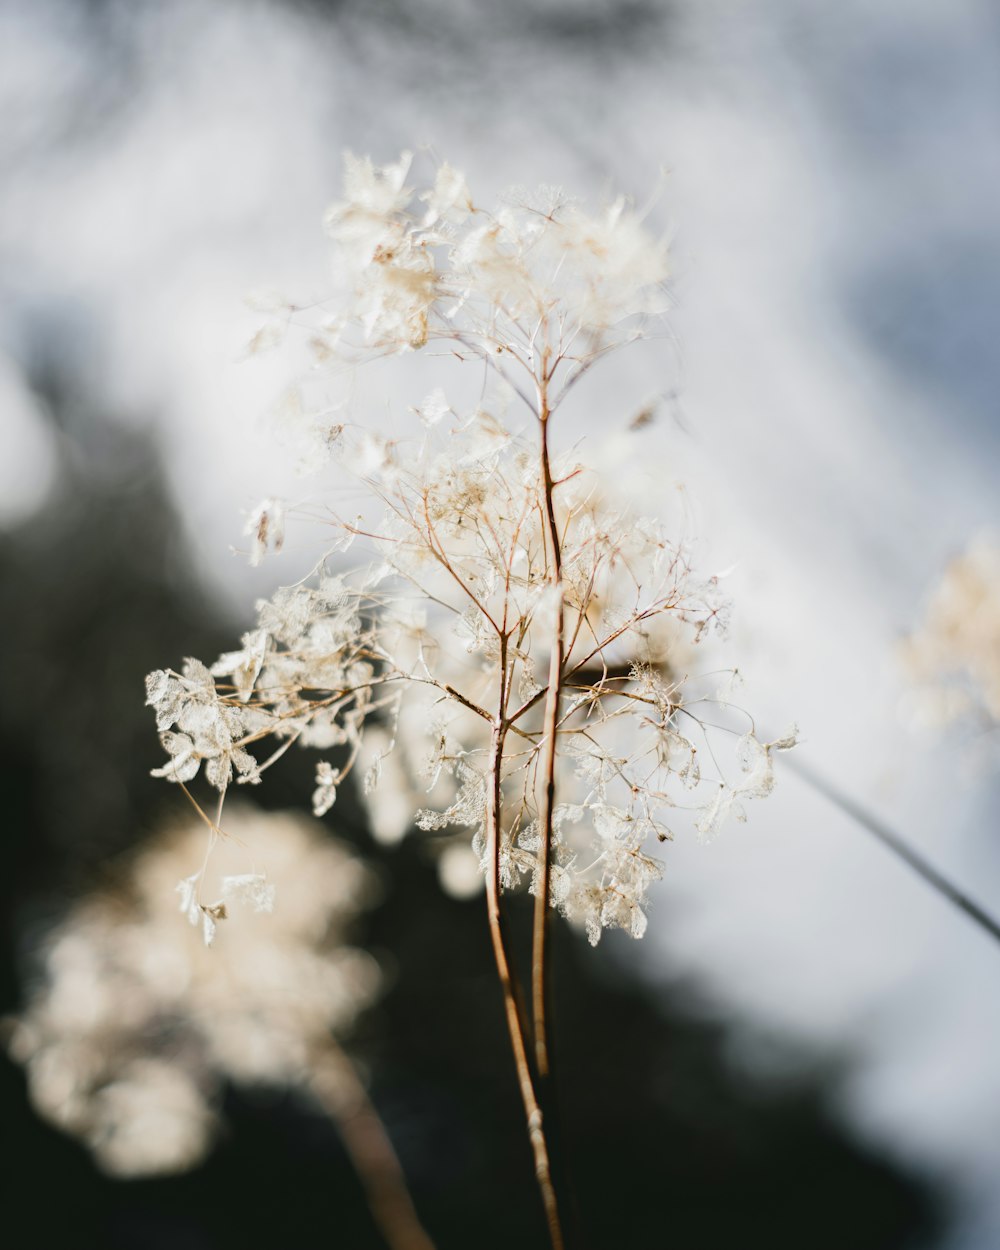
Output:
x=340 y=1092
x=539 y=947
x=898 y=845
x=515 y=1023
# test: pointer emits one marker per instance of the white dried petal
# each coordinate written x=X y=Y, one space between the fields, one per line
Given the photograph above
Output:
x=433 y=408
x=449 y=200
x=325 y=794
x=266 y=525
x=244 y=665
x=373 y=774
x=270 y=335
x=184 y=762
x=188 y=890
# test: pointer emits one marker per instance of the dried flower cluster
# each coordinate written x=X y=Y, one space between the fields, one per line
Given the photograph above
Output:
x=132 y=1029
x=954 y=656
x=489 y=557
x=513 y=666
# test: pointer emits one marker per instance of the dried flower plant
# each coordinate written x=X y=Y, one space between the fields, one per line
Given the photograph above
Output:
x=134 y=1025
x=954 y=655
x=516 y=660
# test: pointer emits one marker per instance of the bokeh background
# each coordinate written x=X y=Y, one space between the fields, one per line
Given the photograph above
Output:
x=803 y=1049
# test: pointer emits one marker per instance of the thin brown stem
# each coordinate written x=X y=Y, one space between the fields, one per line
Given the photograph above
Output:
x=338 y=1089
x=539 y=945
x=515 y=1023
x=437 y=550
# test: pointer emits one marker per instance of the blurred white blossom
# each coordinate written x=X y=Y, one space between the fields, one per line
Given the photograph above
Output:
x=133 y=1025
x=954 y=654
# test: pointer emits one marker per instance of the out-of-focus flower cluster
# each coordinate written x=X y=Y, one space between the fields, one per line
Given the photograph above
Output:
x=134 y=1025
x=490 y=557
x=954 y=655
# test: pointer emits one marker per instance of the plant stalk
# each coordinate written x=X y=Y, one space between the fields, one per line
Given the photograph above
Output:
x=515 y=1026
x=339 y=1090
x=539 y=945
x=898 y=846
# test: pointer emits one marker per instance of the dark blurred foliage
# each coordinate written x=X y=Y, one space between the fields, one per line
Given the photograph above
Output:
x=665 y=1142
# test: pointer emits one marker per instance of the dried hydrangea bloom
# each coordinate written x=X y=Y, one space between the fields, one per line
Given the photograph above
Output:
x=514 y=667
x=400 y=670
x=396 y=669
x=539 y=273
x=133 y=1026
x=954 y=655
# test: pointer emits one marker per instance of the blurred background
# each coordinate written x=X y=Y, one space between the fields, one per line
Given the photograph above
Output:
x=803 y=1049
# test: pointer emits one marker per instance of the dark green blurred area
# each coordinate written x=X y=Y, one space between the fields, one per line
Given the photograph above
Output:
x=666 y=1143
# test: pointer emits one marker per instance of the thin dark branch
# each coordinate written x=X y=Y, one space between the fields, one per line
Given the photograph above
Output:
x=897 y=844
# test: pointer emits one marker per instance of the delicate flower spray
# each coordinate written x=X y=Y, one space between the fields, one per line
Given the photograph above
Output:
x=516 y=661
x=133 y=1028
x=953 y=656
